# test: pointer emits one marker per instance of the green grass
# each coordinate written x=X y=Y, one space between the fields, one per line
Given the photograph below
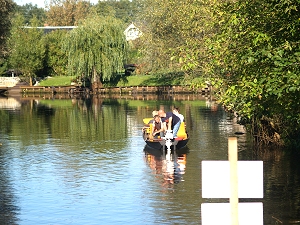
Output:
x=138 y=80
x=56 y=81
x=133 y=80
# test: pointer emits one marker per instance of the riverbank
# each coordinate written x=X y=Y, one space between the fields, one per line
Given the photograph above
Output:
x=135 y=85
x=113 y=90
x=126 y=81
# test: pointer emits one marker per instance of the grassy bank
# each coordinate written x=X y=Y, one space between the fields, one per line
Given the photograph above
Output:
x=56 y=81
x=136 y=80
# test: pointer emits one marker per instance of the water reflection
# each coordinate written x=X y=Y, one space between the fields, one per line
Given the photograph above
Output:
x=170 y=165
x=9 y=103
x=61 y=157
x=8 y=206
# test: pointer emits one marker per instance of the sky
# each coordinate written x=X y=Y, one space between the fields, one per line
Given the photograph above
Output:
x=40 y=3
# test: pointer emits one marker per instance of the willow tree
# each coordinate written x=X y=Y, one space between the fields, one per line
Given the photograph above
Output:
x=97 y=49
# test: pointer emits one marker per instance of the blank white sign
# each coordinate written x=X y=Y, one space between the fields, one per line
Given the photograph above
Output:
x=216 y=179
x=219 y=213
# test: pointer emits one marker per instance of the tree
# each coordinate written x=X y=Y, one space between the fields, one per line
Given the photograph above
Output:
x=67 y=12
x=174 y=34
x=256 y=57
x=27 y=48
x=6 y=11
x=56 y=58
x=124 y=10
x=97 y=49
x=29 y=11
x=103 y=8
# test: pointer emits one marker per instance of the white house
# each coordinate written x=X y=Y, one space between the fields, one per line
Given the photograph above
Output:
x=132 y=32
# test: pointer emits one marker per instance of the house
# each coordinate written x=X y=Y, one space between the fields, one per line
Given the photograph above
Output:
x=132 y=32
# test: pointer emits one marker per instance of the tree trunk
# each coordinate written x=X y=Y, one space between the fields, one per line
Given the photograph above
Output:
x=30 y=80
x=96 y=81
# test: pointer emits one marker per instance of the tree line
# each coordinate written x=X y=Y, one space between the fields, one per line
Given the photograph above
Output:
x=247 y=50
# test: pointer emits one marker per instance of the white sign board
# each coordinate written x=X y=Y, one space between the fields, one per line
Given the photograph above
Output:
x=216 y=179
x=219 y=213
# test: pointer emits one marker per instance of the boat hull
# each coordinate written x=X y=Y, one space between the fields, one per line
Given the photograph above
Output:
x=161 y=143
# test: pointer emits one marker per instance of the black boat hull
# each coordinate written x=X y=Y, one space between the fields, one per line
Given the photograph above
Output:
x=161 y=143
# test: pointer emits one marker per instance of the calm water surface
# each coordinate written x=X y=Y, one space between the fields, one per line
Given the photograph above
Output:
x=85 y=162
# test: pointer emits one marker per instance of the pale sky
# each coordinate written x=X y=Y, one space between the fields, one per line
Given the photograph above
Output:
x=41 y=3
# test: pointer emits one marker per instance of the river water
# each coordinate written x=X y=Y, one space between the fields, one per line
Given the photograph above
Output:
x=74 y=161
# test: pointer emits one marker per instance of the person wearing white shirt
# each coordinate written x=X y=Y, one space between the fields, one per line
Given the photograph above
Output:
x=176 y=112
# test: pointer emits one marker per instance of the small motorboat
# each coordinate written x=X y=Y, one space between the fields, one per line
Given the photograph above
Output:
x=160 y=142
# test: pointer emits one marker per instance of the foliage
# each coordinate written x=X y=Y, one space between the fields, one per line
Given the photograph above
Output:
x=104 y=8
x=29 y=11
x=124 y=10
x=27 y=48
x=175 y=34
x=56 y=58
x=6 y=9
x=3 y=67
x=67 y=12
x=257 y=59
x=97 y=49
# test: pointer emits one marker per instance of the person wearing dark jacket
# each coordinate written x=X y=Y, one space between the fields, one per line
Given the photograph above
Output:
x=171 y=121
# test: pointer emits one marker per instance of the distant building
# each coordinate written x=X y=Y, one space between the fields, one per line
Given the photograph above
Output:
x=132 y=32
x=48 y=29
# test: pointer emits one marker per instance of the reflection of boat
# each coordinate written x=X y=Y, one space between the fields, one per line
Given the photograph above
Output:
x=170 y=165
x=160 y=143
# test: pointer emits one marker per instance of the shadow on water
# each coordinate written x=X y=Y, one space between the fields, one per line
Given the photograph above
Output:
x=171 y=167
x=8 y=206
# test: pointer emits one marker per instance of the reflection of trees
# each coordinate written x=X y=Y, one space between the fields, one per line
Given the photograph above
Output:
x=88 y=123
x=281 y=186
x=8 y=203
x=82 y=122
x=7 y=200
x=102 y=125
x=28 y=124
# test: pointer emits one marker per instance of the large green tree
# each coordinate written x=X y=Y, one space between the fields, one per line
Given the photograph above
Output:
x=97 y=49
x=6 y=9
x=256 y=58
x=29 y=11
x=66 y=12
x=174 y=32
x=56 y=58
x=124 y=10
x=27 y=48
x=6 y=12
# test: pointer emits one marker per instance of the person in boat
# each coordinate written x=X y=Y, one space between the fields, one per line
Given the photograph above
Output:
x=154 y=113
x=177 y=113
x=170 y=121
x=157 y=128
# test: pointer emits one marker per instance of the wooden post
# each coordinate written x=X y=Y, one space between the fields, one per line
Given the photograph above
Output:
x=233 y=158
